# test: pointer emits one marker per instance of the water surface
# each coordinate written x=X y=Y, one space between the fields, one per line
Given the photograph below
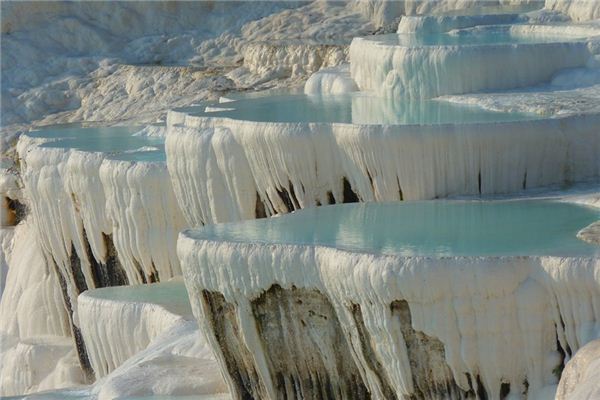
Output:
x=426 y=228
x=352 y=108
x=120 y=142
x=171 y=295
x=482 y=35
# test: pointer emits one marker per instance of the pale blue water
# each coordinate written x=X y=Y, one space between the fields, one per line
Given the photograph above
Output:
x=119 y=142
x=489 y=35
x=426 y=228
x=171 y=295
x=355 y=108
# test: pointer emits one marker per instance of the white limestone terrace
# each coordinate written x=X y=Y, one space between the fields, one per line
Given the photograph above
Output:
x=143 y=342
x=78 y=83
x=103 y=209
x=403 y=300
x=272 y=155
x=118 y=322
x=484 y=14
x=427 y=65
x=101 y=180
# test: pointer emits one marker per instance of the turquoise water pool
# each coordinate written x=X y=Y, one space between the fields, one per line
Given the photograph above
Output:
x=170 y=295
x=426 y=228
x=482 y=35
x=352 y=108
x=119 y=142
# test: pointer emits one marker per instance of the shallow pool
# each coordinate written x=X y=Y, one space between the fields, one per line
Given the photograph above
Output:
x=479 y=35
x=120 y=142
x=426 y=228
x=170 y=295
x=352 y=108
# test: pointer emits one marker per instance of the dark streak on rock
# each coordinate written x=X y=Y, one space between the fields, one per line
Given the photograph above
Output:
x=259 y=208
x=432 y=377
x=301 y=333
x=111 y=273
x=76 y=272
x=330 y=198
x=238 y=358
x=350 y=195
x=84 y=360
x=285 y=197
x=369 y=354
x=504 y=390
x=17 y=210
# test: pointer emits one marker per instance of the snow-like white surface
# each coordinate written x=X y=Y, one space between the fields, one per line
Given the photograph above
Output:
x=578 y=10
x=132 y=61
x=572 y=91
x=336 y=80
x=581 y=377
x=271 y=61
x=142 y=341
x=93 y=61
x=497 y=317
x=168 y=357
x=32 y=302
x=445 y=23
x=36 y=350
x=242 y=159
x=429 y=71
x=93 y=196
x=178 y=362
x=384 y=12
x=37 y=364
x=117 y=323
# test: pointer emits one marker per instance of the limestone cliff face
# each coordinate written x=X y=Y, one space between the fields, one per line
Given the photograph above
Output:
x=310 y=322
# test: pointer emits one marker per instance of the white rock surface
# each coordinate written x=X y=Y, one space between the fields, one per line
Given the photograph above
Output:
x=176 y=363
x=581 y=376
x=38 y=364
x=431 y=71
x=578 y=10
x=446 y=23
x=499 y=318
x=388 y=12
x=243 y=161
x=36 y=347
x=64 y=62
x=94 y=197
x=116 y=323
x=336 y=80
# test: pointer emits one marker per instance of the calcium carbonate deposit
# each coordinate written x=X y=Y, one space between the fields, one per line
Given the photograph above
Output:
x=175 y=189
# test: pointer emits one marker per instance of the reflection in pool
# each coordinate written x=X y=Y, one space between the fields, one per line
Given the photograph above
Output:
x=170 y=295
x=479 y=35
x=355 y=108
x=426 y=228
x=121 y=142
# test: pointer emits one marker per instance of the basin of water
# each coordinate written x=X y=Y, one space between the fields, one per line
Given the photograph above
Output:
x=426 y=228
x=351 y=108
x=479 y=35
x=120 y=142
x=170 y=295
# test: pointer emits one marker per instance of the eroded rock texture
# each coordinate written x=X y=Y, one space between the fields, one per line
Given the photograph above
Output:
x=290 y=344
x=307 y=353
